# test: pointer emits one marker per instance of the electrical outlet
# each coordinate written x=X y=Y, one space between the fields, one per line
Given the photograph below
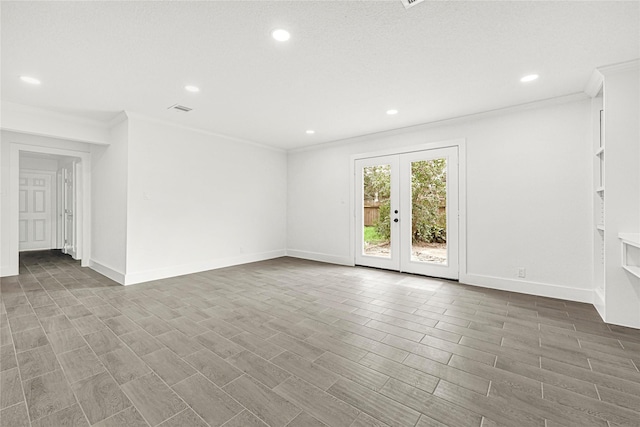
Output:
x=522 y=272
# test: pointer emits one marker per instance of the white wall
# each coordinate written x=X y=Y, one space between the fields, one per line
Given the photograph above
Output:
x=109 y=203
x=8 y=218
x=528 y=197
x=198 y=201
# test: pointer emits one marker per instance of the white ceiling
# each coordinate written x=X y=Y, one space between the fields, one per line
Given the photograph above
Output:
x=347 y=61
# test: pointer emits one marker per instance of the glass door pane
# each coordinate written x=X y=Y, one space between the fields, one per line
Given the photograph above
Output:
x=429 y=211
x=376 y=202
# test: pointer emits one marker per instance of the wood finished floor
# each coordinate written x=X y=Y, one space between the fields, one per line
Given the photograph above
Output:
x=296 y=343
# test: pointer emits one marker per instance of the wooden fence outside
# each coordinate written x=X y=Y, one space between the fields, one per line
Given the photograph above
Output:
x=371 y=213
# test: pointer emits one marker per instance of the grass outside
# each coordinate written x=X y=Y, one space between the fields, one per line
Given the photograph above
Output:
x=371 y=236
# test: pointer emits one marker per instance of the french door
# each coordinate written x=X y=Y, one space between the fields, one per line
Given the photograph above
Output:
x=407 y=212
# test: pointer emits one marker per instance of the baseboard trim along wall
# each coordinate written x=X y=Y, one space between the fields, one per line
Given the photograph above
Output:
x=598 y=303
x=316 y=256
x=530 y=288
x=109 y=272
x=8 y=271
x=491 y=282
x=181 y=270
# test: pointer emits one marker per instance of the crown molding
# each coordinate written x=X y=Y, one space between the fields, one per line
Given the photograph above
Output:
x=594 y=84
x=44 y=122
x=574 y=97
x=138 y=116
x=620 y=66
x=119 y=118
x=30 y=109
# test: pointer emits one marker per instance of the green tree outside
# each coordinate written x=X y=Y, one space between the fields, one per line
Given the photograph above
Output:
x=428 y=199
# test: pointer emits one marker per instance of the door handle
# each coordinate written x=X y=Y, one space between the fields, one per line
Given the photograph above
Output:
x=396 y=220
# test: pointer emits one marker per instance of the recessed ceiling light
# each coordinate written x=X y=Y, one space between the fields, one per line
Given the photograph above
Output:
x=529 y=78
x=392 y=112
x=280 y=35
x=30 y=80
x=311 y=132
x=191 y=88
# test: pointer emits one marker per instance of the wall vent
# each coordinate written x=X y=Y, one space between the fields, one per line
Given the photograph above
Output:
x=179 y=107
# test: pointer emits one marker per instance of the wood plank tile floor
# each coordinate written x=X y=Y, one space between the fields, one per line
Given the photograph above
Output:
x=292 y=343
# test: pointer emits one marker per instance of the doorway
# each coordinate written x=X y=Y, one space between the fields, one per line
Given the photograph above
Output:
x=82 y=230
x=407 y=212
x=48 y=194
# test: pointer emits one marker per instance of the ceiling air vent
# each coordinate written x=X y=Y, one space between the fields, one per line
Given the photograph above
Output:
x=179 y=107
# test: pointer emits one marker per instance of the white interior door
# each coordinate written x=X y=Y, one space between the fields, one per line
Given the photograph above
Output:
x=407 y=212
x=36 y=213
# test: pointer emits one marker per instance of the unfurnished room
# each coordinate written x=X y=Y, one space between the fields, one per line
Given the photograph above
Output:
x=319 y=213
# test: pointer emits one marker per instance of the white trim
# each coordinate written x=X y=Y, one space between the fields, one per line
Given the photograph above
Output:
x=529 y=288
x=598 y=303
x=180 y=270
x=14 y=166
x=165 y=122
x=43 y=122
x=107 y=271
x=320 y=257
x=462 y=208
x=595 y=84
x=411 y=149
x=121 y=117
x=9 y=270
x=559 y=100
x=621 y=66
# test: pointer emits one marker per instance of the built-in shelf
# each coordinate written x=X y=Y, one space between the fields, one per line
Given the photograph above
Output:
x=633 y=269
x=600 y=227
x=600 y=151
x=630 y=239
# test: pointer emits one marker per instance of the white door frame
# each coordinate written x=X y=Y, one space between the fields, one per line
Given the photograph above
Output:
x=84 y=206
x=462 y=194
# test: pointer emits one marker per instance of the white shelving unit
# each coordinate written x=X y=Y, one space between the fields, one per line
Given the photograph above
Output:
x=598 y=200
x=615 y=152
x=631 y=252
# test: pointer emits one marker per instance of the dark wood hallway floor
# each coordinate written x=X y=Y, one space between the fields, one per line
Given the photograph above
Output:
x=297 y=343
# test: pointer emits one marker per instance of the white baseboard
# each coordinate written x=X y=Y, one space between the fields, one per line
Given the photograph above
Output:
x=316 y=256
x=598 y=302
x=180 y=270
x=8 y=271
x=531 y=288
x=107 y=271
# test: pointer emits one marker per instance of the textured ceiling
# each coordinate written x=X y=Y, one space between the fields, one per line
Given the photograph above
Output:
x=347 y=61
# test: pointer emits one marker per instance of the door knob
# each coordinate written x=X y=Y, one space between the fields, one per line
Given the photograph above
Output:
x=396 y=220
x=396 y=211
